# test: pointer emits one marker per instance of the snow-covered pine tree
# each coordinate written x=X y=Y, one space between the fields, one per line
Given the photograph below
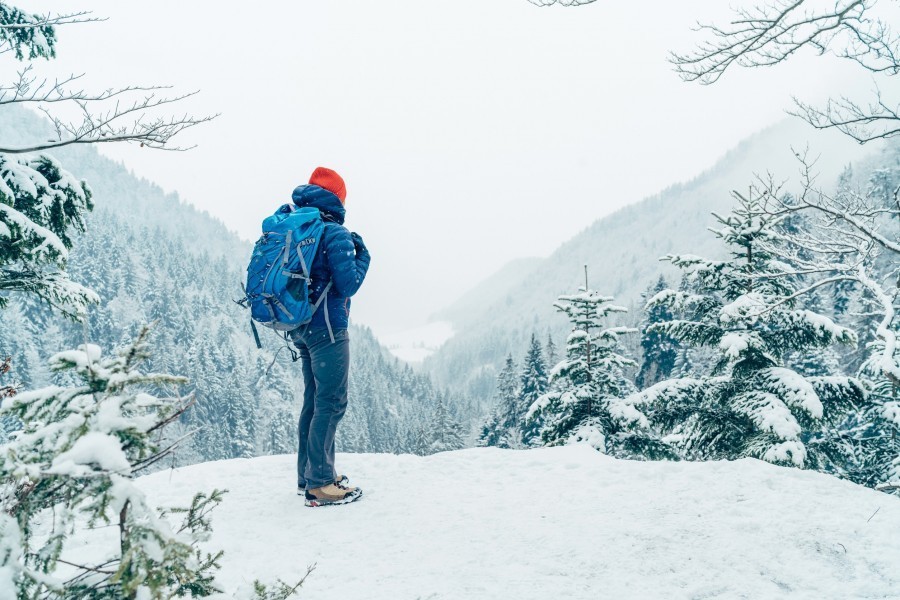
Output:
x=550 y=351
x=587 y=404
x=751 y=404
x=42 y=209
x=71 y=469
x=419 y=443
x=877 y=444
x=444 y=432
x=847 y=242
x=241 y=420
x=659 y=351
x=841 y=300
x=690 y=362
x=503 y=426
x=282 y=434
x=822 y=362
x=533 y=383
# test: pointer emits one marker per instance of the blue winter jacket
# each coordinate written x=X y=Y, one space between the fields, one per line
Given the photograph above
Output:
x=336 y=260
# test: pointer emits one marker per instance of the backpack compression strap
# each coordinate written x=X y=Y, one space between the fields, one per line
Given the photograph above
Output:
x=324 y=298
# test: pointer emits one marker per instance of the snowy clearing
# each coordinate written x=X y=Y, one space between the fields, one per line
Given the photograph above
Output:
x=551 y=523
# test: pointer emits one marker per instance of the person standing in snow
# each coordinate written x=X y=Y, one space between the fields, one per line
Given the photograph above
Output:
x=324 y=344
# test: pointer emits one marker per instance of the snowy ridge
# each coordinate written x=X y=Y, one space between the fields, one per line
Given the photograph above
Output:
x=565 y=522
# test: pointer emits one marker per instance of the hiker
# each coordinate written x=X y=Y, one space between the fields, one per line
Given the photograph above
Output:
x=336 y=273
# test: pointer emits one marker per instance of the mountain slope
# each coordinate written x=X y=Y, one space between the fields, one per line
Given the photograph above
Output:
x=491 y=291
x=623 y=249
x=119 y=191
x=565 y=522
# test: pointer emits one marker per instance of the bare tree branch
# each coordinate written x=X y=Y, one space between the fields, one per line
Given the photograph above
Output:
x=112 y=115
x=27 y=88
x=773 y=32
x=51 y=20
x=122 y=122
x=877 y=120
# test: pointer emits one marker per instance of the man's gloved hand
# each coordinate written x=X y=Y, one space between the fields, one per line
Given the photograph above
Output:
x=358 y=243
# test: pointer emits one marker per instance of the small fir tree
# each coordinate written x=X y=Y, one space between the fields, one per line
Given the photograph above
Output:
x=587 y=405
x=550 y=351
x=659 y=351
x=503 y=427
x=420 y=443
x=533 y=383
x=444 y=432
x=282 y=436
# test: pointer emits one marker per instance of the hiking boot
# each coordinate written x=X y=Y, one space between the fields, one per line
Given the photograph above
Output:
x=342 y=480
x=332 y=494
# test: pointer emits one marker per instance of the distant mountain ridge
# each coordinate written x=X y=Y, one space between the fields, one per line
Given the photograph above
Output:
x=488 y=291
x=622 y=251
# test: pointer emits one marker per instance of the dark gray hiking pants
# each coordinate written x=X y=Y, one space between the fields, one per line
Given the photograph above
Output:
x=325 y=370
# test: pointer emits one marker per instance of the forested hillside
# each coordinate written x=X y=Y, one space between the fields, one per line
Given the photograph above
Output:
x=622 y=252
x=774 y=340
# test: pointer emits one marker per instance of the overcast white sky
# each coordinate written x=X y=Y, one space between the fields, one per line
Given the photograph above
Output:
x=469 y=132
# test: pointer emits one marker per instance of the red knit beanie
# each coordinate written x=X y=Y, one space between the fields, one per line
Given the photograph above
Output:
x=331 y=181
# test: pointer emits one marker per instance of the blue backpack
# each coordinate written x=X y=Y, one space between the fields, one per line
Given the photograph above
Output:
x=278 y=279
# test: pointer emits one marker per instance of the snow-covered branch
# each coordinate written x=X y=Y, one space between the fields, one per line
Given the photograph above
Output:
x=42 y=208
x=34 y=35
x=71 y=299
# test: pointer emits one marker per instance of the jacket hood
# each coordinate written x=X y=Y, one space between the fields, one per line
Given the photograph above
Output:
x=318 y=197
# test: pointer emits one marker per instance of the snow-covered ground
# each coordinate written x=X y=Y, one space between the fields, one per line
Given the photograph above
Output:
x=416 y=344
x=551 y=523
